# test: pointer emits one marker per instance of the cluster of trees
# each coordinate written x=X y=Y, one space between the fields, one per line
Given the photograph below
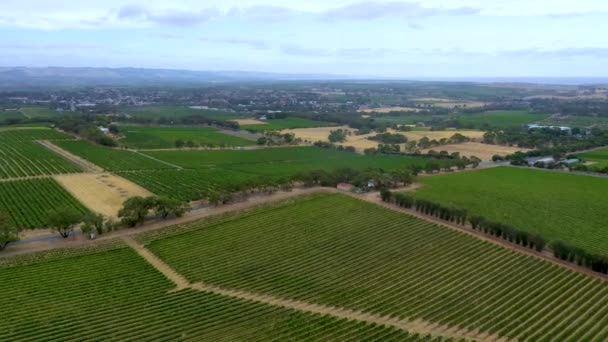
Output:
x=507 y=232
x=561 y=250
x=457 y=138
x=274 y=138
x=383 y=149
x=136 y=209
x=338 y=135
x=595 y=262
x=389 y=138
x=9 y=232
x=328 y=145
x=378 y=178
x=87 y=127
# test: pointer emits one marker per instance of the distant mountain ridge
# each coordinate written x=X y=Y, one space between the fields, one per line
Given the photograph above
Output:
x=26 y=77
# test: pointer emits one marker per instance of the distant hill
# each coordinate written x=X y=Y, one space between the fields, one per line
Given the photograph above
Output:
x=25 y=77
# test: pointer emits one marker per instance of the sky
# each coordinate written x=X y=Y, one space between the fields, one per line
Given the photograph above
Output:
x=403 y=39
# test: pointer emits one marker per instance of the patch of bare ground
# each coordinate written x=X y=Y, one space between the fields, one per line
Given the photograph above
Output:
x=482 y=151
x=103 y=193
x=249 y=122
x=84 y=164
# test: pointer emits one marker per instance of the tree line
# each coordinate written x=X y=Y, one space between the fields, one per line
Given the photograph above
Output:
x=561 y=250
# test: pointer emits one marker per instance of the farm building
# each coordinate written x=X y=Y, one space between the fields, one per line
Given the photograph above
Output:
x=345 y=187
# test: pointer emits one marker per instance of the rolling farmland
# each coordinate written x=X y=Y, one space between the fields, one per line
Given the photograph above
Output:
x=165 y=137
x=73 y=294
x=21 y=156
x=566 y=207
x=339 y=251
x=27 y=202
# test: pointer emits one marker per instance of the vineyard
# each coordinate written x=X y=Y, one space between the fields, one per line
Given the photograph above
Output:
x=74 y=295
x=339 y=251
x=27 y=202
x=165 y=137
x=565 y=207
x=500 y=119
x=21 y=156
x=111 y=159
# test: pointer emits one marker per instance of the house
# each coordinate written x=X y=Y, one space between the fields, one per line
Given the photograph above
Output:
x=345 y=187
x=545 y=160
x=263 y=118
x=561 y=128
x=104 y=130
x=571 y=161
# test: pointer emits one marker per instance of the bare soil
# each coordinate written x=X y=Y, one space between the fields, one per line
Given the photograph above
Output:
x=103 y=193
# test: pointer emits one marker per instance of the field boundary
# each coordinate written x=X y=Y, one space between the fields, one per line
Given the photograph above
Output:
x=158 y=160
x=85 y=165
x=416 y=326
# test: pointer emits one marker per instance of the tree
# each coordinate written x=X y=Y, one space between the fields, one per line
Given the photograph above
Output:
x=113 y=129
x=63 y=220
x=165 y=206
x=338 y=135
x=8 y=231
x=179 y=143
x=134 y=210
x=474 y=161
x=93 y=222
x=262 y=141
x=424 y=142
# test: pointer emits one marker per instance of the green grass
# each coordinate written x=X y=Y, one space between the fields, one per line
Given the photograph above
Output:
x=340 y=251
x=27 y=202
x=600 y=157
x=165 y=137
x=167 y=111
x=112 y=159
x=559 y=206
x=39 y=112
x=288 y=123
x=6 y=115
x=500 y=119
x=109 y=293
x=21 y=156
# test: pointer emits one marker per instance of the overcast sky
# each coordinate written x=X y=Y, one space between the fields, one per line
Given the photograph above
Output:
x=431 y=38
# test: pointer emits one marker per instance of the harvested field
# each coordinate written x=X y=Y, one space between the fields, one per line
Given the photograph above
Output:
x=417 y=135
x=101 y=192
x=483 y=151
x=249 y=122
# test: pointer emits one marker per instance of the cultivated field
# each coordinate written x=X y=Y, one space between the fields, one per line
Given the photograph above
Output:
x=157 y=112
x=140 y=137
x=111 y=159
x=249 y=122
x=482 y=151
x=38 y=112
x=111 y=293
x=500 y=119
x=208 y=172
x=102 y=193
x=21 y=156
x=27 y=202
x=346 y=253
x=279 y=124
x=567 y=207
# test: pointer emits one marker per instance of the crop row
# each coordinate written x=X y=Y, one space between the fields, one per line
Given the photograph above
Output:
x=27 y=202
x=18 y=135
x=110 y=158
x=80 y=298
x=335 y=250
x=28 y=158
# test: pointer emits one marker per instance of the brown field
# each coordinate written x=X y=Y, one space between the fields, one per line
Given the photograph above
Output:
x=483 y=151
x=103 y=193
x=389 y=109
x=360 y=142
x=249 y=122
